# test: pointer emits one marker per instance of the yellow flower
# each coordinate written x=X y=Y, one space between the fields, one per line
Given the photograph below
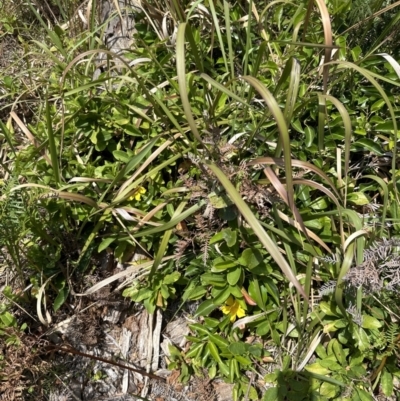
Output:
x=137 y=194
x=233 y=308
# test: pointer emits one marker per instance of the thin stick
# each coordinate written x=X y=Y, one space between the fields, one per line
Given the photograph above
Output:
x=120 y=365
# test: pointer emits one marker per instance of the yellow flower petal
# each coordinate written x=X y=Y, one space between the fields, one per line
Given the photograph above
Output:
x=233 y=308
x=225 y=310
x=137 y=194
x=241 y=312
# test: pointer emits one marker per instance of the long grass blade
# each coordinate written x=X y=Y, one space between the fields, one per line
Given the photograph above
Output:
x=283 y=130
x=181 y=69
x=265 y=239
x=52 y=143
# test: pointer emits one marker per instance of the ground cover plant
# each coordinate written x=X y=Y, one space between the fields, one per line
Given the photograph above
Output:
x=248 y=152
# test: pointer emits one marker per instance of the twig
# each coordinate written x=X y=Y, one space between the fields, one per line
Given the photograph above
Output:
x=120 y=365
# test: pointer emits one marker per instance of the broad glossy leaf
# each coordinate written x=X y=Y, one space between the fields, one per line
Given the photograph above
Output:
x=370 y=145
x=370 y=322
x=230 y=237
x=271 y=394
x=317 y=368
x=387 y=383
x=220 y=264
x=250 y=258
x=205 y=308
x=238 y=348
x=328 y=390
x=234 y=275
x=358 y=198
x=8 y=319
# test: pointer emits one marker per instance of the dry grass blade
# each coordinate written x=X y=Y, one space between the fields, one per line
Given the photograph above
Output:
x=126 y=272
x=28 y=134
x=257 y=17
x=295 y=163
x=264 y=238
x=283 y=131
x=116 y=5
x=326 y=23
x=310 y=352
x=305 y=230
x=395 y=65
x=248 y=319
x=316 y=185
x=86 y=179
x=63 y=195
x=283 y=194
x=353 y=236
x=46 y=322
x=126 y=187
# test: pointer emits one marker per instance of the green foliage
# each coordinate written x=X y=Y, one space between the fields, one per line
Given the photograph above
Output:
x=241 y=170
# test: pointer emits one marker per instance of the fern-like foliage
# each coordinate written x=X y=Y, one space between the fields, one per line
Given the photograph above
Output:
x=379 y=270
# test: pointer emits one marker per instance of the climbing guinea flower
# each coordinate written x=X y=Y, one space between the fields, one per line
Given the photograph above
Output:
x=233 y=308
x=137 y=194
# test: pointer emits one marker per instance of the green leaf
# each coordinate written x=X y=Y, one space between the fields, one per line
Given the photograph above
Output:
x=213 y=279
x=238 y=348
x=219 y=202
x=8 y=319
x=271 y=394
x=121 y=156
x=244 y=361
x=200 y=329
x=220 y=295
x=214 y=352
x=378 y=105
x=328 y=390
x=370 y=322
x=254 y=223
x=105 y=243
x=60 y=299
x=172 y=278
x=364 y=396
x=370 y=145
x=319 y=203
x=328 y=309
x=219 y=341
x=362 y=339
x=310 y=135
x=205 y=308
x=194 y=292
x=217 y=237
x=387 y=383
x=338 y=351
x=212 y=371
x=317 y=368
x=234 y=275
x=221 y=264
x=250 y=258
x=230 y=237
x=387 y=126
x=358 y=198
x=329 y=364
